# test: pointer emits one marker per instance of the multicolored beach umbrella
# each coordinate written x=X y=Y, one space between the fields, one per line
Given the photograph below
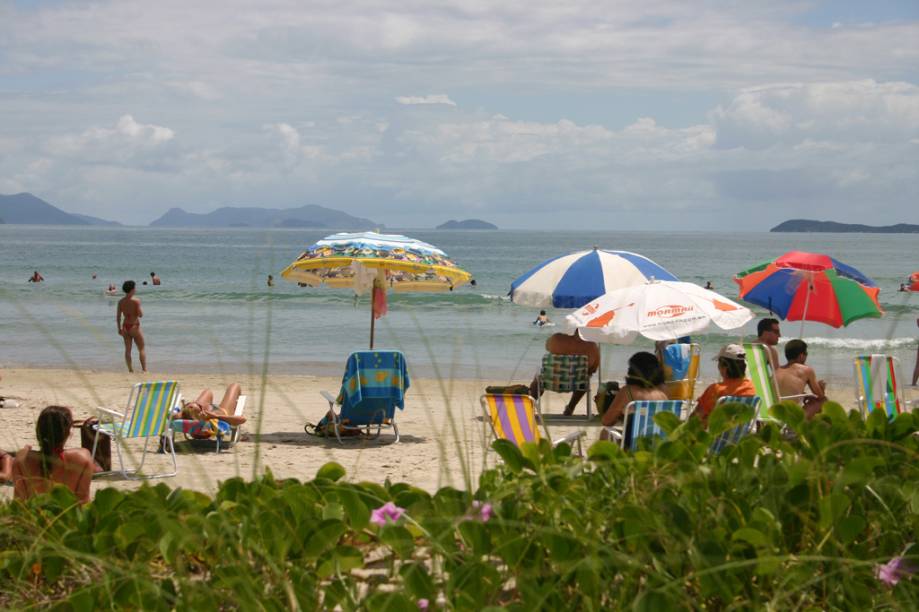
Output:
x=571 y=281
x=381 y=262
x=800 y=286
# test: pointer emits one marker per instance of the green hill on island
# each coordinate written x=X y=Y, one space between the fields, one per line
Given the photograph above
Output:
x=27 y=209
x=468 y=224
x=808 y=225
x=309 y=216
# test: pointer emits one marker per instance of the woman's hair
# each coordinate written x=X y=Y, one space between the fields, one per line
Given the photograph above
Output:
x=733 y=368
x=52 y=430
x=644 y=371
x=192 y=410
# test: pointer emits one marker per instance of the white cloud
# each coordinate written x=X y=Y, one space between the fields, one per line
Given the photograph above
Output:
x=429 y=99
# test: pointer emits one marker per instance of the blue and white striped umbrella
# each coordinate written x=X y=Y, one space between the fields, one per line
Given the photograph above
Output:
x=571 y=281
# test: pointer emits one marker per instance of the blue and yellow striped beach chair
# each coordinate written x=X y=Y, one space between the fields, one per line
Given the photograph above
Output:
x=639 y=421
x=514 y=418
x=146 y=416
x=877 y=385
x=734 y=435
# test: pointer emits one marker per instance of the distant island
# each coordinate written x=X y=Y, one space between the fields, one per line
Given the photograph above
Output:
x=468 y=224
x=808 y=225
x=27 y=209
x=309 y=216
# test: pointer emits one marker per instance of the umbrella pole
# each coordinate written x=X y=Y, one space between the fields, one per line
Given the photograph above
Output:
x=807 y=299
x=372 y=320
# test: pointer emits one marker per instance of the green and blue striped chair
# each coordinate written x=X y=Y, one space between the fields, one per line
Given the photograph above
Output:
x=146 y=416
x=877 y=386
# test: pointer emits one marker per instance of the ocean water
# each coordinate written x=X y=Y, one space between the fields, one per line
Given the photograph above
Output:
x=214 y=312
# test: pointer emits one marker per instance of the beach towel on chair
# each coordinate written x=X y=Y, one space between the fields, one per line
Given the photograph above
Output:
x=676 y=361
x=373 y=385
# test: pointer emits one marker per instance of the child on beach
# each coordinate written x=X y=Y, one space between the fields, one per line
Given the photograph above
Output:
x=36 y=472
x=127 y=320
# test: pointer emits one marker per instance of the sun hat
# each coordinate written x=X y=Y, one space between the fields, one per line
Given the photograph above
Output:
x=731 y=351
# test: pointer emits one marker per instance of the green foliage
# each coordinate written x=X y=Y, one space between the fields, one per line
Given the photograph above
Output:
x=790 y=517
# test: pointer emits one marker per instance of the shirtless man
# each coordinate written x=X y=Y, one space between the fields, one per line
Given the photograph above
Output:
x=129 y=327
x=36 y=277
x=768 y=334
x=154 y=279
x=564 y=344
x=795 y=376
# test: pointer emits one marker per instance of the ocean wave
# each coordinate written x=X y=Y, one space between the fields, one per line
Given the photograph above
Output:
x=861 y=343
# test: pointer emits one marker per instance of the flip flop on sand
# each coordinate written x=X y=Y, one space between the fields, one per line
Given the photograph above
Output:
x=6 y=402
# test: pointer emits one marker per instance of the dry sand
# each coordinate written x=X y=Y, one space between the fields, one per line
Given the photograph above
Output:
x=444 y=440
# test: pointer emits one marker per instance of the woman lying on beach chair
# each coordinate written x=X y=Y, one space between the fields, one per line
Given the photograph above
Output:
x=208 y=419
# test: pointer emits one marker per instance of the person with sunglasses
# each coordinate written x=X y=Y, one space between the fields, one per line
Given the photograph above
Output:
x=768 y=334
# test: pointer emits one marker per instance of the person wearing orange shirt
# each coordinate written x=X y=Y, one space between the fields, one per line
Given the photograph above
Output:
x=732 y=366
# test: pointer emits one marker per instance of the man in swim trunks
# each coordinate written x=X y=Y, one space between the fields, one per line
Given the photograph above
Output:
x=573 y=344
x=768 y=334
x=127 y=320
x=795 y=376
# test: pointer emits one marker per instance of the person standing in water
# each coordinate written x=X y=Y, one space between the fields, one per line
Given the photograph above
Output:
x=154 y=279
x=127 y=320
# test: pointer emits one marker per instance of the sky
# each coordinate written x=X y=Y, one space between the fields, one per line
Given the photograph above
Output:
x=531 y=114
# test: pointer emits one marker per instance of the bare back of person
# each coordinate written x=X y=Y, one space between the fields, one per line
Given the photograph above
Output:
x=73 y=469
x=795 y=379
x=568 y=344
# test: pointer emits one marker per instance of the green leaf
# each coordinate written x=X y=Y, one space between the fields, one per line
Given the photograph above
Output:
x=860 y=470
x=389 y=602
x=876 y=423
x=398 y=539
x=331 y=471
x=417 y=580
x=511 y=455
x=106 y=500
x=323 y=537
x=754 y=537
x=832 y=507
x=667 y=421
x=354 y=508
x=342 y=560
x=476 y=536
x=848 y=528
x=604 y=450
x=789 y=413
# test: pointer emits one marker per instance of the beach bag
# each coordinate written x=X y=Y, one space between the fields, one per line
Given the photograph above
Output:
x=606 y=393
x=325 y=428
x=103 y=456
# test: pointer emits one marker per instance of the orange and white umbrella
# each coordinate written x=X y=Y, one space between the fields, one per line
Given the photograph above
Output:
x=659 y=310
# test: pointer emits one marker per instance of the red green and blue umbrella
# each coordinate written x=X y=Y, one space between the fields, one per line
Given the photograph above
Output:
x=801 y=286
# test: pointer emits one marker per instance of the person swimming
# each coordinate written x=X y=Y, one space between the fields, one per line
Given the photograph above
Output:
x=541 y=319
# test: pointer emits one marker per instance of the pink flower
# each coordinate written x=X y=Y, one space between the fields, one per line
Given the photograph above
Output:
x=423 y=604
x=387 y=512
x=484 y=510
x=891 y=572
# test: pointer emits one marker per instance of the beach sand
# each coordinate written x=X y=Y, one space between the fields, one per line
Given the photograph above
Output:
x=444 y=440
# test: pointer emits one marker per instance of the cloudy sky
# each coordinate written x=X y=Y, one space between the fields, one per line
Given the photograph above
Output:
x=528 y=113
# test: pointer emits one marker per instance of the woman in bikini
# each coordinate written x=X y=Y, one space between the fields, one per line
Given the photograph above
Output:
x=36 y=472
x=644 y=381
x=207 y=418
x=127 y=320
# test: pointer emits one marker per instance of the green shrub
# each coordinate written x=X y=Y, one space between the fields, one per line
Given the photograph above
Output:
x=794 y=518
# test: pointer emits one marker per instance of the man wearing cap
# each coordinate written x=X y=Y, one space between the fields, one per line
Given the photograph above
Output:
x=732 y=365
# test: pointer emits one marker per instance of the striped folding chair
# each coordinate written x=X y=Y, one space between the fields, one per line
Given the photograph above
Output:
x=639 y=421
x=565 y=374
x=513 y=418
x=877 y=385
x=733 y=435
x=146 y=416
